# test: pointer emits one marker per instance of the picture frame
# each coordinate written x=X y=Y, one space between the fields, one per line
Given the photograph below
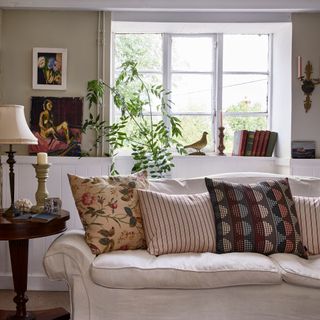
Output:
x=49 y=68
x=56 y=123
x=303 y=149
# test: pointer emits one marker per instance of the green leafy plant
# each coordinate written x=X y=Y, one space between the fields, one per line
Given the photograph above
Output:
x=151 y=139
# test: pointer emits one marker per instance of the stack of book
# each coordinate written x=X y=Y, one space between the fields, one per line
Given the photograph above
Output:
x=36 y=217
x=259 y=143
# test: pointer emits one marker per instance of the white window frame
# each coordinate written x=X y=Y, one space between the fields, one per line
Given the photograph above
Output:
x=217 y=79
x=267 y=73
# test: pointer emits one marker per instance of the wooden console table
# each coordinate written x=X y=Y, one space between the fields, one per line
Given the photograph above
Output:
x=18 y=234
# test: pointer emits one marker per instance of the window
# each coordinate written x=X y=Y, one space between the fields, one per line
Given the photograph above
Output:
x=206 y=74
x=245 y=88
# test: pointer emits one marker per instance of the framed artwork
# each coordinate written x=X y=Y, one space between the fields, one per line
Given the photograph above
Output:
x=49 y=69
x=303 y=149
x=56 y=122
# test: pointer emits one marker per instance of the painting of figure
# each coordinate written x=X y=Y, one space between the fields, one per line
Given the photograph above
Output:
x=56 y=122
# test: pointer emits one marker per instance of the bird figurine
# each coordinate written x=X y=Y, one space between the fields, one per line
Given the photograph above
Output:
x=198 y=145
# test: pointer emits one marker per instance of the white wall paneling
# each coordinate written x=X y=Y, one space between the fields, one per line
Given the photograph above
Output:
x=305 y=167
x=58 y=186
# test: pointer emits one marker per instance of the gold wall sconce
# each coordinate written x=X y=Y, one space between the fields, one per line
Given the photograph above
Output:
x=307 y=83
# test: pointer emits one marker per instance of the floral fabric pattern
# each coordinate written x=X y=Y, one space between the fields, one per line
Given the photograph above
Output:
x=109 y=211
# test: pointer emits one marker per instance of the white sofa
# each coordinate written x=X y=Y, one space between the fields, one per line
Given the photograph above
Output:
x=133 y=285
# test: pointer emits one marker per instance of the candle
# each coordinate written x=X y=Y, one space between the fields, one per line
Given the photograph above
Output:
x=299 y=67
x=221 y=119
x=42 y=158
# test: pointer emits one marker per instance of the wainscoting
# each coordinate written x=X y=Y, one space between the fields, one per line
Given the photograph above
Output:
x=305 y=167
x=58 y=186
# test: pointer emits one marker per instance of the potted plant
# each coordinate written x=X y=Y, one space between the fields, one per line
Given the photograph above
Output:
x=151 y=140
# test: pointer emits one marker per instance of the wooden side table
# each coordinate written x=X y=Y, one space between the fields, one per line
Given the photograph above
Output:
x=18 y=234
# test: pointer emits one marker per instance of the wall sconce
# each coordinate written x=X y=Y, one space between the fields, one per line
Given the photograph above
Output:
x=308 y=84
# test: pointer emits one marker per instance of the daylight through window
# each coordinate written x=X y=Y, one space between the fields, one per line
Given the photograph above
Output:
x=206 y=74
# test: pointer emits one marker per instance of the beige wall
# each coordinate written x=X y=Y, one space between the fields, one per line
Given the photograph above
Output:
x=23 y=30
x=306 y=43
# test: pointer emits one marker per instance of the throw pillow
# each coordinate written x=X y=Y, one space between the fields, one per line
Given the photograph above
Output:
x=308 y=212
x=255 y=218
x=177 y=223
x=109 y=211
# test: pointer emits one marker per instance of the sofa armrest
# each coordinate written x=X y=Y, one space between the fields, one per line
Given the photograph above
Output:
x=67 y=256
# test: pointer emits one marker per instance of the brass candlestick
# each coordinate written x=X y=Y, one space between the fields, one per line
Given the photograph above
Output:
x=221 y=146
x=42 y=193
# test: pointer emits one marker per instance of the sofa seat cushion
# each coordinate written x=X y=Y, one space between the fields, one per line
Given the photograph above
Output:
x=299 y=271
x=135 y=269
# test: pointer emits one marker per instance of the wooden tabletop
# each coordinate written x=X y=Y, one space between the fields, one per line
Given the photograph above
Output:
x=11 y=229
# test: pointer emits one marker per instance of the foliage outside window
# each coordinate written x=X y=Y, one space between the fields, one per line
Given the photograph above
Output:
x=186 y=65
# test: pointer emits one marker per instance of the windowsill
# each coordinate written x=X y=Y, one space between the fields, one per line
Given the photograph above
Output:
x=55 y=159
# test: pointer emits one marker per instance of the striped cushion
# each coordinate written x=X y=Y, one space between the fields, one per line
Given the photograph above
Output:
x=256 y=218
x=177 y=223
x=308 y=212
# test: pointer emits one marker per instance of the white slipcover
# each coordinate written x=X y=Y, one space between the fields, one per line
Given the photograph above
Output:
x=135 y=286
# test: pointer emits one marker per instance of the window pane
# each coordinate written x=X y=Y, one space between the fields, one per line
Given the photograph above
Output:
x=149 y=79
x=245 y=53
x=250 y=88
x=193 y=127
x=191 y=93
x=233 y=124
x=192 y=53
x=146 y=49
x=131 y=127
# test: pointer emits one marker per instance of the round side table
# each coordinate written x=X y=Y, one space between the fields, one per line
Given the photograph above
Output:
x=18 y=234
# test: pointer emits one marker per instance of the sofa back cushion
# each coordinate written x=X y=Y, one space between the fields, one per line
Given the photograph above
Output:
x=300 y=186
x=308 y=212
x=109 y=211
x=177 y=223
x=255 y=218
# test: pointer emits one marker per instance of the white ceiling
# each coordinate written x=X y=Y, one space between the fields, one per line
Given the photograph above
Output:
x=169 y=5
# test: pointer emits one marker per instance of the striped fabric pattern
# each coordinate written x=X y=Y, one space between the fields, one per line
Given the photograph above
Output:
x=308 y=212
x=255 y=218
x=177 y=223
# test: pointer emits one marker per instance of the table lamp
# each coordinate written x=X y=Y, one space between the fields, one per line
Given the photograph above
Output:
x=13 y=130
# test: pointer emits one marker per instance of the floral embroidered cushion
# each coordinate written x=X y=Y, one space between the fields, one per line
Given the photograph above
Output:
x=109 y=211
x=256 y=218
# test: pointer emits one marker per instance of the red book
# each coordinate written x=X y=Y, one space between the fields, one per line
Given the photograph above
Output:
x=260 y=143
x=243 y=142
x=265 y=143
x=255 y=142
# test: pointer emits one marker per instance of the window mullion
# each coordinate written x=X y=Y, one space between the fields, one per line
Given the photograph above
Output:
x=270 y=81
x=218 y=85
x=246 y=114
x=166 y=56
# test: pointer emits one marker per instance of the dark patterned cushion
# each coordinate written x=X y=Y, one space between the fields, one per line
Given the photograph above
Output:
x=255 y=218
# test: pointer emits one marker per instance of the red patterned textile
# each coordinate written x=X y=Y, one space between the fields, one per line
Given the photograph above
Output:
x=255 y=218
